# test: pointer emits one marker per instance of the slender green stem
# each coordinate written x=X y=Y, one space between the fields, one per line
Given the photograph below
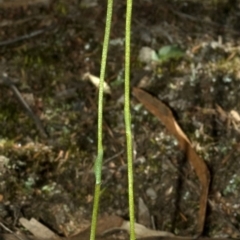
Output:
x=99 y=159
x=95 y=211
x=127 y=116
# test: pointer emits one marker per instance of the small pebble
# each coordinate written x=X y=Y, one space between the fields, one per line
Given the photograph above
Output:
x=151 y=193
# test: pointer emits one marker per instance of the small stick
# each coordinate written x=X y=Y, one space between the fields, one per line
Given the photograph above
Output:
x=9 y=83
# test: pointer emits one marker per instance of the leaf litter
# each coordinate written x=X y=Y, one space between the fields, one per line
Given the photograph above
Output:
x=51 y=179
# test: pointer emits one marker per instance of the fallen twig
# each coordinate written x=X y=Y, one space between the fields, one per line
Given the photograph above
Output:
x=25 y=37
x=5 y=80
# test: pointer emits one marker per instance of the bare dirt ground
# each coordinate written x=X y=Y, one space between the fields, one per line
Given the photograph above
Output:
x=47 y=155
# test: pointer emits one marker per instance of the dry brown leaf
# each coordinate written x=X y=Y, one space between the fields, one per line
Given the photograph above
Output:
x=24 y=237
x=112 y=223
x=106 y=225
x=235 y=115
x=141 y=231
x=164 y=114
x=95 y=81
x=222 y=114
x=143 y=213
x=37 y=229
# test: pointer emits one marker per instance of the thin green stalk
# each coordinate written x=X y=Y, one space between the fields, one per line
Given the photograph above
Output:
x=127 y=116
x=99 y=159
x=95 y=211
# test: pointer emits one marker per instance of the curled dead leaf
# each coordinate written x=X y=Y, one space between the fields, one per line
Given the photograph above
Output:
x=164 y=114
x=95 y=81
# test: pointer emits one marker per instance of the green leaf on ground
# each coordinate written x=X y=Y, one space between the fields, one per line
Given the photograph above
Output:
x=169 y=52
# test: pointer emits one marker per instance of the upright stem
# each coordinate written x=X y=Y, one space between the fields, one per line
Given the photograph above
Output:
x=99 y=159
x=127 y=116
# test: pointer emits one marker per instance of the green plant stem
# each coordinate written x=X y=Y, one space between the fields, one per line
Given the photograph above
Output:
x=127 y=116
x=95 y=211
x=99 y=159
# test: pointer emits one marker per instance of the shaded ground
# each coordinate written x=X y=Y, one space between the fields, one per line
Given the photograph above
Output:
x=52 y=180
